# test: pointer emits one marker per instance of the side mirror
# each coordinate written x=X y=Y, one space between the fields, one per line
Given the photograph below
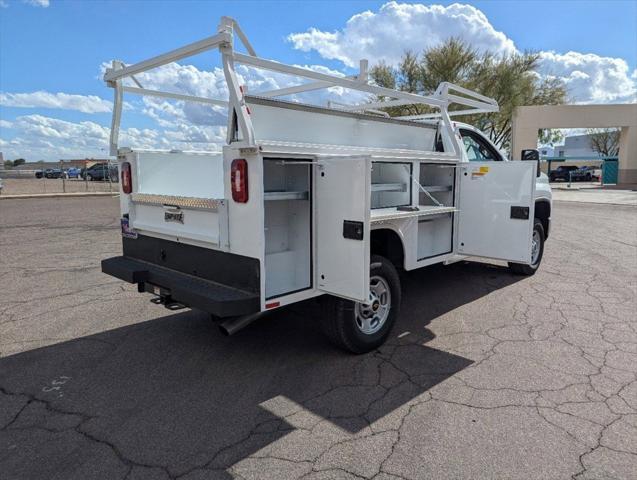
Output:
x=534 y=155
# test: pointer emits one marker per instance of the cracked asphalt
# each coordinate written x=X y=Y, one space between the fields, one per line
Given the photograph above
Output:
x=487 y=375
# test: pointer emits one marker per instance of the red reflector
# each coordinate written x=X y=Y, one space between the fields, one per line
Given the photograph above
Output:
x=272 y=305
x=127 y=180
x=239 y=180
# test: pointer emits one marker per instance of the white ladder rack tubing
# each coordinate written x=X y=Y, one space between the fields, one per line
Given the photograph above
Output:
x=223 y=41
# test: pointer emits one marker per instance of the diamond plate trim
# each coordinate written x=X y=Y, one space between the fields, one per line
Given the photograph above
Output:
x=177 y=201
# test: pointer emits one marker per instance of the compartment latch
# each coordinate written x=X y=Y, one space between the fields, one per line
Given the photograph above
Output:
x=353 y=230
x=521 y=213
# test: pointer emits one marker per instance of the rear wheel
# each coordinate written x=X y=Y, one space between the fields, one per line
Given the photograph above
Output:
x=89 y=177
x=537 y=250
x=359 y=327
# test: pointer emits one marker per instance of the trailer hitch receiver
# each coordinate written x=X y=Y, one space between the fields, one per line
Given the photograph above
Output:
x=168 y=302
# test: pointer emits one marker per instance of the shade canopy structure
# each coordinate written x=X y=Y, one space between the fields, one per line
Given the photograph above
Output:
x=528 y=120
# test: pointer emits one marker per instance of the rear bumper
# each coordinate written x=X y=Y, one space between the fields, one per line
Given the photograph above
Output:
x=189 y=290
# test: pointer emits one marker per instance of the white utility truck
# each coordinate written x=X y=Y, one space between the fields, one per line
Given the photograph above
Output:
x=307 y=201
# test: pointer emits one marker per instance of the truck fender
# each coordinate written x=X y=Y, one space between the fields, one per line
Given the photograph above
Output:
x=387 y=241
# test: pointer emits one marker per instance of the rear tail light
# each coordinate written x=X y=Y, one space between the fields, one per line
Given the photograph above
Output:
x=239 y=180
x=127 y=180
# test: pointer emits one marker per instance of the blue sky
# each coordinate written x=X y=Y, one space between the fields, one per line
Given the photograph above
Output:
x=49 y=54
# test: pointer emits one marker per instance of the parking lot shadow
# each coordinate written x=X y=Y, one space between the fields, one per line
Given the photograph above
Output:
x=174 y=395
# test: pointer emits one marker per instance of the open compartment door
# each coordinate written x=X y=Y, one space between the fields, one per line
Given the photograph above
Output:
x=496 y=203
x=342 y=206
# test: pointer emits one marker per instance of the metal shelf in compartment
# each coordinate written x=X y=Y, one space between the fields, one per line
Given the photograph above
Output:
x=437 y=188
x=389 y=187
x=285 y=195
x=382 y=214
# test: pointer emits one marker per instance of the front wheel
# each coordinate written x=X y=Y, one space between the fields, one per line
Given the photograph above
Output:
x=363 y=327
x=537 y=250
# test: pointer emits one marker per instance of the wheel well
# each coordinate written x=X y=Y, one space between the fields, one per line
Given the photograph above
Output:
x=543 y=212
x=387 y=243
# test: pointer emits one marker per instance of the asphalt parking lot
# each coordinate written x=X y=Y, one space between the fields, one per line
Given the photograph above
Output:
x=487 y=375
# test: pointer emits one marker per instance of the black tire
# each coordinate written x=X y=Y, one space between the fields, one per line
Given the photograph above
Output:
x=89 y=178
x=339 y=320
x=523 y=268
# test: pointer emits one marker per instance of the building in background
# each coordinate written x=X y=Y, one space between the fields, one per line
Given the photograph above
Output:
x=576 y=146
x=547 y=152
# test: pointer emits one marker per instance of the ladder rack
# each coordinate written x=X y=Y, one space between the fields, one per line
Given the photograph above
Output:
x=240 y=130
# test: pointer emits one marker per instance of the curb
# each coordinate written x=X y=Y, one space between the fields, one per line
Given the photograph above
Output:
x=597 y=203
x=59 y=195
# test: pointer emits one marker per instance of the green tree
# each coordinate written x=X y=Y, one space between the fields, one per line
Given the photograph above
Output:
x=511 y=80
x=549 y=136
x=18 y=161
x=604 y=141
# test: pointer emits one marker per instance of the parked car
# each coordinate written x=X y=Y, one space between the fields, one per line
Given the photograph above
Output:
x=53 y=173
x=72 y=172
x=597 y=173
x=101 y=172
x=563 y=172
x=586 y=173
x=39 y=173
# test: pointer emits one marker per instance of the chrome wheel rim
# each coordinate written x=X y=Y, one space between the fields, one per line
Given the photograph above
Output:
x=535 y=247
x=371 y=317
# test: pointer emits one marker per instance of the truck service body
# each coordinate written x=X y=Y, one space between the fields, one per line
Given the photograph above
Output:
x=306 y=201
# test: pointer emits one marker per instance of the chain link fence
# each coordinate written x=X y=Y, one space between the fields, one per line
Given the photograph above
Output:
x=62 y=180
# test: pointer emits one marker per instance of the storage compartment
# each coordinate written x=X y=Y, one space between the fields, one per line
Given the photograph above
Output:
x=179 y=195
x=438 y=182
x=435 y=232
x=287 y=226
x=391 y=184
x=434 y=235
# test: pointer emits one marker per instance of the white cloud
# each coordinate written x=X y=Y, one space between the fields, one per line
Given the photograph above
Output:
x=40 y=137
x=189 y=80
x=52 y=128
x=194 y=134
x=591 y=78
x=63 y=101
x=396 y=27
x=5 y=124
x=37 y=3
x=180 y=125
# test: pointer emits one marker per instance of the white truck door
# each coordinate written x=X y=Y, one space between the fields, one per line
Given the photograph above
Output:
x=496 y=203
x=342 y=207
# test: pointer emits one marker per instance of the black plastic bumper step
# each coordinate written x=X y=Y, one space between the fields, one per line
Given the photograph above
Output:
x=189 y=290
